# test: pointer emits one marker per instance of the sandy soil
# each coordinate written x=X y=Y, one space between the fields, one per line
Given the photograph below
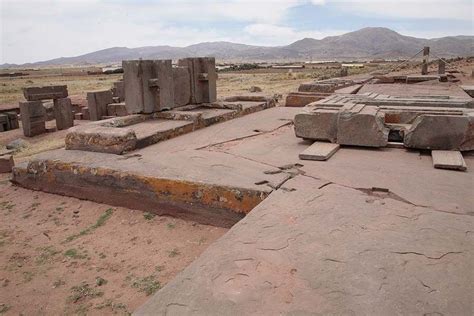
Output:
x=61 y=255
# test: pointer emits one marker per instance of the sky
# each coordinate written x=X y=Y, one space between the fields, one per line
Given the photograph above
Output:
x=36 y=30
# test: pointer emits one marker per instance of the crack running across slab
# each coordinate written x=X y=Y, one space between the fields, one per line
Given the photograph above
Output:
x=245 y=137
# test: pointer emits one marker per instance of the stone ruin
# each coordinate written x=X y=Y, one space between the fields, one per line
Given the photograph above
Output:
x=8 y=120
x=437 y=123
x=220 y=174
x=374 y=120
x=161 y=101
x=33 y=113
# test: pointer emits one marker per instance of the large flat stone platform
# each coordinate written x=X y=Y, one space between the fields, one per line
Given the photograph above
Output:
x=368 y=232
x=316 y=249
x=420 y=89
x=181 y=180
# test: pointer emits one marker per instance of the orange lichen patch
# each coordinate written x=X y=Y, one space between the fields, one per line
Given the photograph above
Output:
x=236 y=199
x=174 y=191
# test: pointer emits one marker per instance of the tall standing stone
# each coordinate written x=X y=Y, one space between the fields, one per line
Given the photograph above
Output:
x=63 y=113
x=426 y=55
x=119 y=91
x=97 y=103
x=182 y=86
x=33 y=118
x=203 y=78
x=441 y=67
x=148 y=85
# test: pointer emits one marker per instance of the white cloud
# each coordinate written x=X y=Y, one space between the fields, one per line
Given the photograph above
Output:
x=43 y=29
x=416 y=9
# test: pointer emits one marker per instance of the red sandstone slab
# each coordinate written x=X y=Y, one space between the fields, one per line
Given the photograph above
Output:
x=366 y=168
x=404 y=90
x=318 y=248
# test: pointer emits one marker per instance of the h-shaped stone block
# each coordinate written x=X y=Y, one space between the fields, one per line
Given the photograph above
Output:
x=148 y=85
x=203 y=78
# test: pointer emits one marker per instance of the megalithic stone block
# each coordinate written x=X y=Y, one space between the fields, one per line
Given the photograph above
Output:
x=63 y=113
x=45 y=93
x=317 y=87
x=148 y=85
x=443 y=132
x=441 y=67
x=12 y=120
x=33 y=118
x=3 y=122
x=116 y=109
x=319 y=124
x=85 y=113
x=119 y=90
x=182 y=86
x=97 y=103
x=362 y=125
x=203 y=78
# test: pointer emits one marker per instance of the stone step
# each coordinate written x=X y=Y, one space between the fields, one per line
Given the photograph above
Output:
x=448 y=159
x=319 y=151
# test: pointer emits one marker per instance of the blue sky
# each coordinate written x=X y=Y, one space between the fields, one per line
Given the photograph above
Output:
x=37 y=30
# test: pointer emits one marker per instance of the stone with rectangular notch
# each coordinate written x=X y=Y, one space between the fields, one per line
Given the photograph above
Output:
x=203 y=77
x=148 y=85
x=182 y=86
x=362 y=125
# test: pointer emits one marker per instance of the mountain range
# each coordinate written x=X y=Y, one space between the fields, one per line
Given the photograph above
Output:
x=366 y=43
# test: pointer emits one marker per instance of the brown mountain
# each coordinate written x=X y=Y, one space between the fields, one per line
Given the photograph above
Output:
x=371 y=42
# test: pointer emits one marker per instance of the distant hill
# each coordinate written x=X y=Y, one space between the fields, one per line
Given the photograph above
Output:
x=370 y=42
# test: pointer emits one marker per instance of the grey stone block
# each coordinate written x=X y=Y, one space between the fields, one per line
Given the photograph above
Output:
x=6 y=163
x=33 y=118
x=119 y=90
x=44 y=93
x=63 y=113
x=85 y=113
x=182 y=86
x=362 y=126
x=148 y=85
x=319 y=124
x=116 y=109
x=443 y=132
x=203 y=78
x=317 y=87
x=448 y=159
x=101 y=139
x=319 y=151
x=97 y=103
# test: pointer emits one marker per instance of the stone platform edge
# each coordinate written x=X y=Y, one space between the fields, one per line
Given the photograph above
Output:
x=205 y=203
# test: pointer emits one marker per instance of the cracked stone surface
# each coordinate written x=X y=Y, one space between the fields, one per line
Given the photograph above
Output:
x=368 y=232
x=334 y=250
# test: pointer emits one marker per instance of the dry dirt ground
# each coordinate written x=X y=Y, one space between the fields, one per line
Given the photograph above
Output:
x=60 y=255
